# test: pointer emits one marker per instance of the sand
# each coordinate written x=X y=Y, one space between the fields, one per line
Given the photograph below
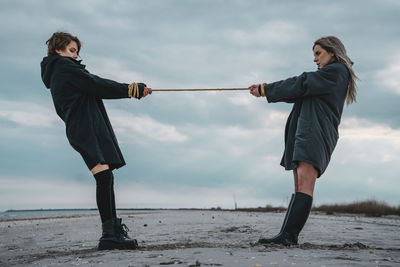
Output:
x=202 y=238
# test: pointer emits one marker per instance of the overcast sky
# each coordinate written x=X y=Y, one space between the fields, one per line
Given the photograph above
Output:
x=197 y=149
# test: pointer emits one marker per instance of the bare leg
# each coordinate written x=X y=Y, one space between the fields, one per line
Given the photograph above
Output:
x=296 y=181
x=99 y=168
x=306 y=176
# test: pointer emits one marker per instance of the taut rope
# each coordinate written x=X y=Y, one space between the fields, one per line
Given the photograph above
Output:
x=189 y=90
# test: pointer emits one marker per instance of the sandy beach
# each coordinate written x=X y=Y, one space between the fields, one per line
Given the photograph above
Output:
x=201 y=238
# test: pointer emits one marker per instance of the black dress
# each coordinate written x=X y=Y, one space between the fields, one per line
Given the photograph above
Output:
x=311 y=131
x=77 y=96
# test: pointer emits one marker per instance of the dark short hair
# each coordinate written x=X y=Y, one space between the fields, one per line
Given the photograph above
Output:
x=59 y=41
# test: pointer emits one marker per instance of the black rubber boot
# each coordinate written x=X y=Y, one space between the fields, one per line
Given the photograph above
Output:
x=266 y=241
x=287 y=213
x=296 y=218
x=122 y=230
x=111 y=239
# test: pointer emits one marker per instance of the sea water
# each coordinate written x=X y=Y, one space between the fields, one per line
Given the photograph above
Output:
x=43 y=213
x=40 y=213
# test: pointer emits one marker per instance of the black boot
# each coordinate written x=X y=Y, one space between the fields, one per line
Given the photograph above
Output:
x=287 y=213
x=264 y=240
x=110 y=239
x=122 y=232
x=296 y=217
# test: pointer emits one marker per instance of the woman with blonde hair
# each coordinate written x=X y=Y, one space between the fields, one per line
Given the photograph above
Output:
x=311 y=131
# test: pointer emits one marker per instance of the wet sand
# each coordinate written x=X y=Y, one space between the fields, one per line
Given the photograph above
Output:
x=202 y=238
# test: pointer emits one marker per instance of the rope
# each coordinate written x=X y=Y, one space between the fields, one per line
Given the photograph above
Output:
x=189 y=90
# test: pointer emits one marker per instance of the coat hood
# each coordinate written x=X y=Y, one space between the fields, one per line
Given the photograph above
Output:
x=48 y=63
x=47 y=66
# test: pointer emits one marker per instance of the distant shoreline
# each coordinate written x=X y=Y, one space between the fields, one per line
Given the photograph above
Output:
x=95 y=209
x=371 y=208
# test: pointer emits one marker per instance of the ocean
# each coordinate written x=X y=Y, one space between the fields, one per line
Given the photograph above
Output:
x=44 y=213
x=40 y=213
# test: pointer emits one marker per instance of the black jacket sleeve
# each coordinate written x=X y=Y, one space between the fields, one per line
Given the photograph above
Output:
x=82 y=80
x=307 y=84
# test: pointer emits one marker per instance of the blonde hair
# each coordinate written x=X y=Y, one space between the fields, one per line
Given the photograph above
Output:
x=333 y=45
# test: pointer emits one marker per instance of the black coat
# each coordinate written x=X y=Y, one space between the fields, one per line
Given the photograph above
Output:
x=311 y=131
x=77 y=96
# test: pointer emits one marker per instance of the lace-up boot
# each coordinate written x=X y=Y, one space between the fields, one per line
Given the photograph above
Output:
x=111 y=239
x=122 y=233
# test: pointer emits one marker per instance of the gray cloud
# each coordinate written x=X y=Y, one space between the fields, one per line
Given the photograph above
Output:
x=221 y=139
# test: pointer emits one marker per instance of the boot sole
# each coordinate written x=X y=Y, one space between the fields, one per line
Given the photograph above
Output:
x=109 y=245
x=284 y=242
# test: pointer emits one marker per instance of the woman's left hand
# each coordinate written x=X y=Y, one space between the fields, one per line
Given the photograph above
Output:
x=254 y=90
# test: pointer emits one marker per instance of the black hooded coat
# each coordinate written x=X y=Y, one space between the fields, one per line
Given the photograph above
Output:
x=77 y=96
x=311 y=131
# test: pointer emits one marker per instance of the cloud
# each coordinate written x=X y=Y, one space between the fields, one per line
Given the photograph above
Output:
x=277 y=32
x=113 y=69
x=368 y=142
x=362 y=130
x=204 y=141
x=184 y=196
x=390 y=75
x=36 y=192
x=27 y=114
x=264 y=135
x=52 y=193
x=139 y=127
x=240 y=101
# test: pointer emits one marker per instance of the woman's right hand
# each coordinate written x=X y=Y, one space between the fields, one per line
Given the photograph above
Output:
x=147 y=91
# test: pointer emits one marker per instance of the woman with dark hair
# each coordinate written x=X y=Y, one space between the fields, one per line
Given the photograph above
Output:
x=77 y=96
x=311 y=131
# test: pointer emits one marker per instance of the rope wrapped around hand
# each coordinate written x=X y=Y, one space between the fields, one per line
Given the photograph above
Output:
x=135 y=90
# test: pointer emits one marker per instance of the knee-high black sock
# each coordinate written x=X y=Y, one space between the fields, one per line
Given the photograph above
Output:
x=104 y=199
x=113 y=209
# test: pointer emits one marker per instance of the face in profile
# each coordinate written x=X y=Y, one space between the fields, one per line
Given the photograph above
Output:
x=71 y=50
x=322 y=57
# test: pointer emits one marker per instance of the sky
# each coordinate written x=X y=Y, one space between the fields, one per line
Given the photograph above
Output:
x=197 y=149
